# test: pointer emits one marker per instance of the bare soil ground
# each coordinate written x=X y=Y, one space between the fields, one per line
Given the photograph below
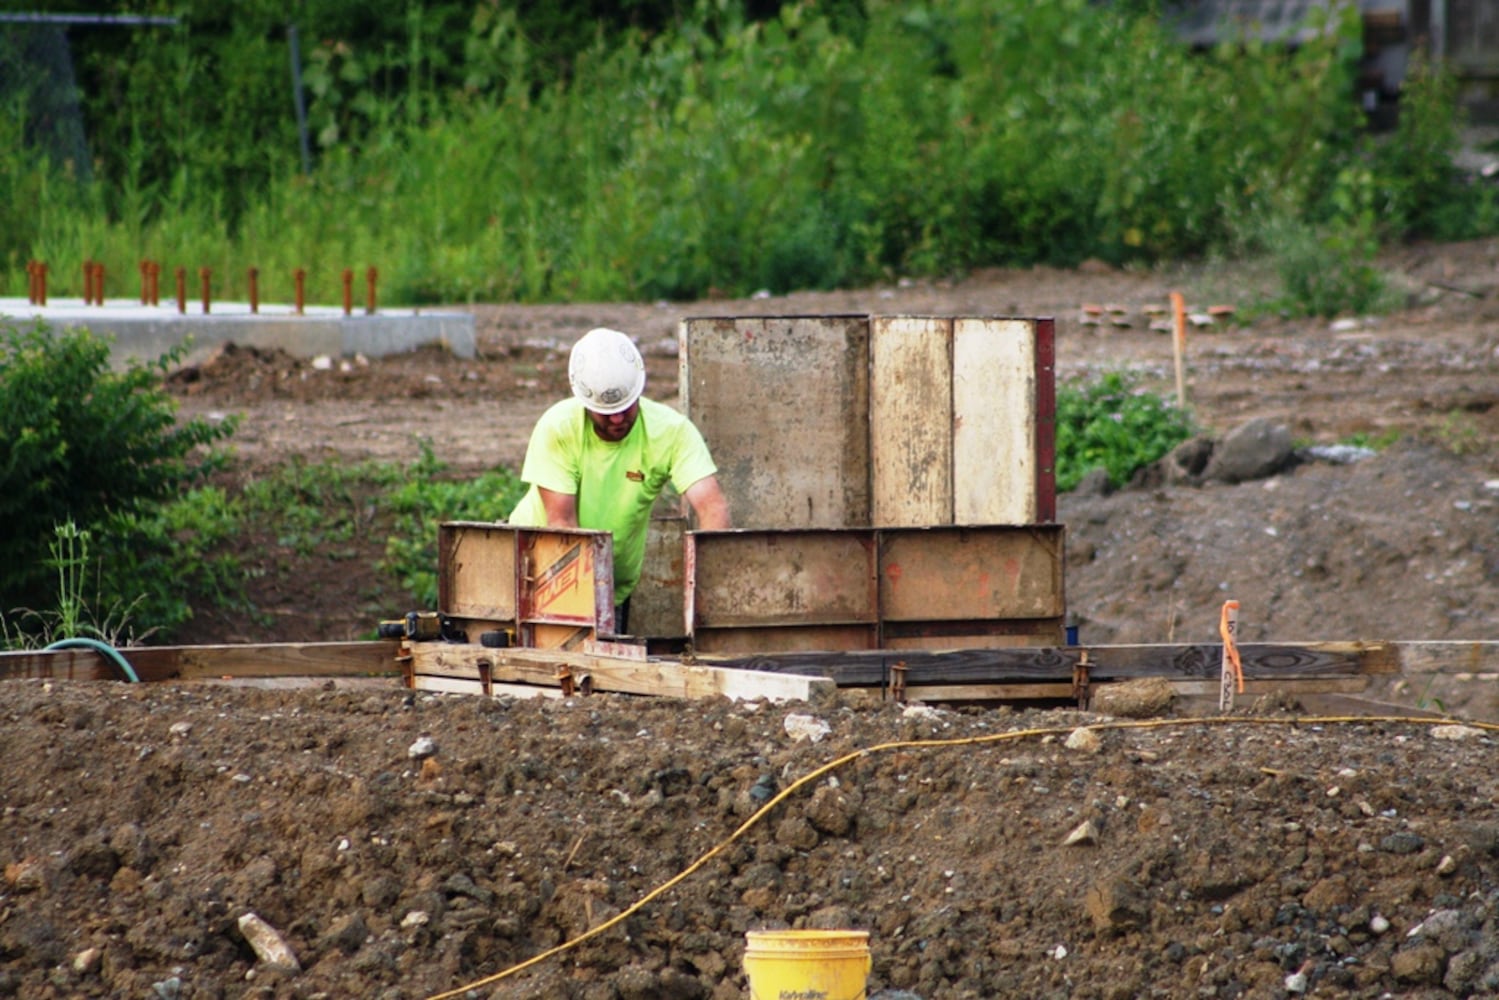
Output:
x=1257 y=855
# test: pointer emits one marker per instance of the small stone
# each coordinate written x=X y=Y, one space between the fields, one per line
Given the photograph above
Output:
x=267 y=943
x=1085 y=833
x=1084 y=739
x=423 y=748
x=1455 y=732
x=1446 y=866
x=806 y=727
x=1403 y=842
x=1378 y=924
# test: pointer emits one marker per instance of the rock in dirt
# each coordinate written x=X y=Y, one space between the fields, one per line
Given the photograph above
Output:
x=1139 y=698
x=1253 y=450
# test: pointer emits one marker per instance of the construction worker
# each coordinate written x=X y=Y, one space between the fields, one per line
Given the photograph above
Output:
x=599 y=459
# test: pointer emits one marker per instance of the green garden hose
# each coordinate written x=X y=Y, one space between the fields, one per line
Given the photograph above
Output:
x=104 y=648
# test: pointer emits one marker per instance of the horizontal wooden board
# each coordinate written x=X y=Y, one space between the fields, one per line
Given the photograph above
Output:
x=168 y=663
x=661 y=678
x=1460 y=657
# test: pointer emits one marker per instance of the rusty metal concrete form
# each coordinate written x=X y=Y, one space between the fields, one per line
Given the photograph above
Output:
x=782 y=590
x=869 y=588
x=783 y=402
x=550 y=586
x=946 y=587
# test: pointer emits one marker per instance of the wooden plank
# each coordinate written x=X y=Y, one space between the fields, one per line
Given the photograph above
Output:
x=994 y=421
x=765 y=578
x=164 y=663
x=783 y=402
x=1455 y=657
x=671 y=679
x=1286 y=685
x=477 y=570
x=1064 y=692
x=473 y=686
x=567 y=578
x=911 y=420
x=971 y=573
x=1262 y=661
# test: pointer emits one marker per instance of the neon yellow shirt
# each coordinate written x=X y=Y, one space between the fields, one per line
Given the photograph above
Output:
x=616 y=482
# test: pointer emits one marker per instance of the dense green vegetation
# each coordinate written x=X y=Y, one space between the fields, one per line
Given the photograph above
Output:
x=648 y=150
x=1114 y=424
x=89 y=449
x=119 y=534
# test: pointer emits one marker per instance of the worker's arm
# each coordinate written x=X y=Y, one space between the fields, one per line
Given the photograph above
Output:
x=709 y=504
x=561 y=508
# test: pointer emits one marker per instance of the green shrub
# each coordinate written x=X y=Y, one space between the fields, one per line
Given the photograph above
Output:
x=83 y=445
x=429 y=496
x=1111 y=424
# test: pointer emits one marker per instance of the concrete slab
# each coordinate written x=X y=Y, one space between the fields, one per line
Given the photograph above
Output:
x=145 y=332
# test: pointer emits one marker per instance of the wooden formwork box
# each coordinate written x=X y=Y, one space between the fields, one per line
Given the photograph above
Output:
x=974 y=586
x=548 y=587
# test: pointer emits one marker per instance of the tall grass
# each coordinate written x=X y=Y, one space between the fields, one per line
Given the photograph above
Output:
x=730 y=155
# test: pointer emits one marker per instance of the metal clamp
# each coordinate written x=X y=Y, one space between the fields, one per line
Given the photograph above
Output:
x=1082 y=689
x=898 y=682
x=565 y=679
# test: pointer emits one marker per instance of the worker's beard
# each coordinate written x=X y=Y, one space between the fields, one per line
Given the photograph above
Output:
x=614 y=428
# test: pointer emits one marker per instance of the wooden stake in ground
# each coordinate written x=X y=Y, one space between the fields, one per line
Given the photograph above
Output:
x=1233 y=670
x=1179 y=346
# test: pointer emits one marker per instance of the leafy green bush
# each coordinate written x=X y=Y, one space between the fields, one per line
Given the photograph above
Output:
x=429 y=496
x=1111 y=424
x=83 y=445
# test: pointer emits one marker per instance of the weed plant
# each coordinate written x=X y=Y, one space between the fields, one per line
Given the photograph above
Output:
x=429 y=495
x=1114 y=424
x=720 y=154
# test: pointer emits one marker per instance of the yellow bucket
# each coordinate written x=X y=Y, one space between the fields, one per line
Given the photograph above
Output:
x=807 y=965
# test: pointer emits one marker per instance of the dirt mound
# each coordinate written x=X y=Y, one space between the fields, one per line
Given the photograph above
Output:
x=404 y=845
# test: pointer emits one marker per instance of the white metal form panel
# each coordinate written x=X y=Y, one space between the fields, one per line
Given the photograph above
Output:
x=911 y=420
x=994 y=421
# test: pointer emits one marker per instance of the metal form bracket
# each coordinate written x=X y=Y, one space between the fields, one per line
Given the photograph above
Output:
x=898 y=682
x=1082 y=688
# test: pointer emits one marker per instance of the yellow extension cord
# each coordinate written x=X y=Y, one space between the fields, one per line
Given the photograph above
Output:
x=925 y=744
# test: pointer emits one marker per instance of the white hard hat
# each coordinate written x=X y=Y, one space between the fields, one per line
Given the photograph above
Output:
x=606 y=371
